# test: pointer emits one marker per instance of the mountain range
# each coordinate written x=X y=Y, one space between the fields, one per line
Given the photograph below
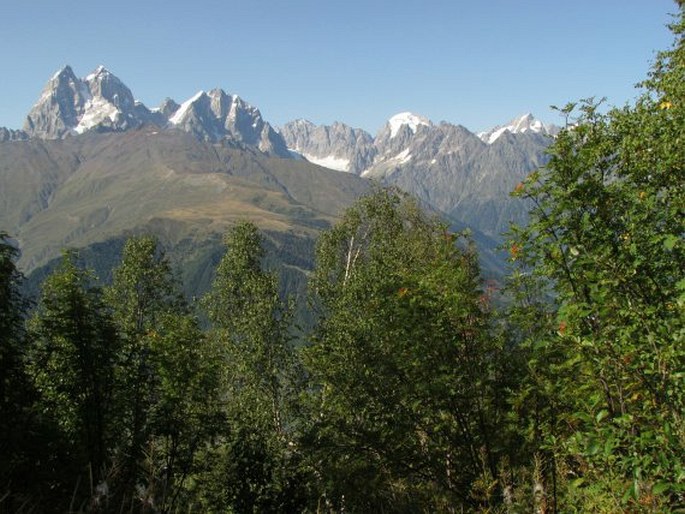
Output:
x=92 y=165
x=466 y=175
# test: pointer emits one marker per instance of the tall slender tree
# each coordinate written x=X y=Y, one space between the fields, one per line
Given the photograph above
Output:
x=71 y=362
x=142 y=291
x=165 y=393
x=252 y=329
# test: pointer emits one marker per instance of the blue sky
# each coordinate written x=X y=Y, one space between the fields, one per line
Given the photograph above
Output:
x=477 y=63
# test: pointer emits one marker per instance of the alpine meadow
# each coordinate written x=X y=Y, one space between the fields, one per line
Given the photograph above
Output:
x=202 y=313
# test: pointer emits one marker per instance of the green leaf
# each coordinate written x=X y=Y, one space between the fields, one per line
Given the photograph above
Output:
x=660 y=487
x=633 y=492
x=601 y=415
x=593 y=447
x=577 y=483
x=670 y=241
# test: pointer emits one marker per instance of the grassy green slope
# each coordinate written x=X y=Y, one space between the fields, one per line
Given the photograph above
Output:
x=166 y=183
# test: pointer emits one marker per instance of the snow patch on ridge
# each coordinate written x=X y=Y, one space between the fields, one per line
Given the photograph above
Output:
x=493 y=136
x=403 y=157
x=330 y=161
x=183 y=109
x=296 y=155
x=96 y=111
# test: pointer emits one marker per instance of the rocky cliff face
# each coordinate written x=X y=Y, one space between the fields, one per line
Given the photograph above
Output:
x=338 y=146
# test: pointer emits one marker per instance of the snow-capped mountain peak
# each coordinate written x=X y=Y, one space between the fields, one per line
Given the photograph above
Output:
x=527 y=122
x=71 y=105
x=111 y=103
x=104 y=83
x=413 y=121
x=102 y=102
x=520 y=125
x=100 y=70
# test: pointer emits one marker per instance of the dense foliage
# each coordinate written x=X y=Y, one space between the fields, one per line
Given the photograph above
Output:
x=402 y=368
x=606 y=371
x=409 y=392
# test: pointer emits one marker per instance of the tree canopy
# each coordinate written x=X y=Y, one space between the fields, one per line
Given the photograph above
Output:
x=606 y=240
x=415 y=388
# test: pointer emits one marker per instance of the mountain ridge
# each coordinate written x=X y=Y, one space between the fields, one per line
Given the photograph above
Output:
x=69 y=106
x=87 y=190
x=101 y=101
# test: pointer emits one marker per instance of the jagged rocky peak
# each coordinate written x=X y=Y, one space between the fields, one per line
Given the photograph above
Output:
x=194 y=107
x=297 y=134
x=243 y=122
x=59 y=107
x=69 y=105
x=216 y=115
x=64 y=78
x=102 y=102
x=243 y=118
x=102 y=83
x=220 y=102
x=111 y=105
x=301 y=123
x=398 y=133
x=521 y=125
x=168 y=107
x=211 y=109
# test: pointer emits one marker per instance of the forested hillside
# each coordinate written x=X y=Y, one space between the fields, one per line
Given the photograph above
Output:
x=411 y=392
